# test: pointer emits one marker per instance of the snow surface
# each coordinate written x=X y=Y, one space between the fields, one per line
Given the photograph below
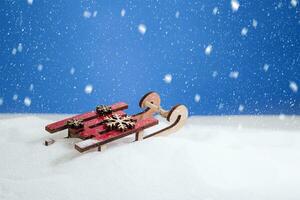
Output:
x=210 y=158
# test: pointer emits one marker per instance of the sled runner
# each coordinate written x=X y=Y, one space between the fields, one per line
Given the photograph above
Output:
x=109 y=123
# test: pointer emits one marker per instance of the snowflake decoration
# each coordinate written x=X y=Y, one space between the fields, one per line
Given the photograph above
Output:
x=75 y=123
x=103 y=110
x=117 y=122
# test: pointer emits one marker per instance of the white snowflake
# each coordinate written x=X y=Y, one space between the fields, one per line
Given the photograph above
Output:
x=168 y=78
x=27 y=101
x=142 y=29
x=241 y=108
x=254 y=23
x=266 y=67
x=88 y=89
x=177 y=14
x=15 y=97
x=87 y=14
x=235 y=5
x=20 y=47
x=31 y=87
x=40 y=67
x=123 y=12
x=294 y=3
x=197 y=98
x=72 y=70
x=208 y=49
x=293 y=86
x=244 y=31
x=214 y=74
x=215 y=11
x=95 y=13
x=30 y=2
x=234 y=74
x=1 y=101
x=14 y=51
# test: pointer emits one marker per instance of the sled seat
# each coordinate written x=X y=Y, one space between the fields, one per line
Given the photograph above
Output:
x=100 y=136
x=62 y=124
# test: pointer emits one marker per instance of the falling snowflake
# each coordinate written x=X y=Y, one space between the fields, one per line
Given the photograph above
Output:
x=142 y=29
x=168 y=78
x=197 y=98
x=117 y=122
x=30 y=2
x=208 y=50
x=282 y=116
x=14 y=51
x=266 y=67
x=177 y=14
x=241 y=108
x=87 y=14
x=235 y=5
x=31 y=87
x=244 y=31
x=294 y=3
x=123 y=12
x=40 y=67
x=20 y=47
x=95 y=13
x=234 y=74
x=254 y=23
x=215 y=11
x=88 y=89
x=1 y=101
x=214 y=74
x=72 y=70
x=293 y=86
x=15 y=97
x=27 y=101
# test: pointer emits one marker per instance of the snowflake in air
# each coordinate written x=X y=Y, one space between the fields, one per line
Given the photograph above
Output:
x=117 y=122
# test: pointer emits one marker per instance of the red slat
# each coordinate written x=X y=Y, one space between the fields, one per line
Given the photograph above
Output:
x=61 y=125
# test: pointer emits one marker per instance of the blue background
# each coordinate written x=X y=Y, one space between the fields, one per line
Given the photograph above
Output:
x=42 y=42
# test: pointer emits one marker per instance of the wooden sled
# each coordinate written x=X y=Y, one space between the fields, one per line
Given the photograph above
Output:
x=109 y=123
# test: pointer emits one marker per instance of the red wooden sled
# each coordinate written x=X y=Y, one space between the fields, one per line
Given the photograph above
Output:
x=108 y=123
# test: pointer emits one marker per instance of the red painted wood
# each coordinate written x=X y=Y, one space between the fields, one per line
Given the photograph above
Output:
x=61 y=125
x=115 y=134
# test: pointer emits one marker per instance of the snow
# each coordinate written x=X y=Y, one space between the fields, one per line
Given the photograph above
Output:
x=27 y=101
x=293 y=86
x=1 y=101
x=266 y=67
x=229 y=158
x=88 y=89
x=87 y=14
x=215 y=11
x=254 y=23
x=177 y=14
x=14 y=51
x=123 y=12
x=241 y=108
x=142 y=29
x=30 y=2
x=294 y=3
x=234 y=74
x=72 y=70
x=168 y=78
x=20 y=47
x=235 y=5
x=40 y=67
x=15 y=97
x=208 y=49
x=244 y=31
x=197 y=98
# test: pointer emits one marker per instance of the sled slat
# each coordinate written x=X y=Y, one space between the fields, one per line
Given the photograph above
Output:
x=61 y=125
x=101 y=139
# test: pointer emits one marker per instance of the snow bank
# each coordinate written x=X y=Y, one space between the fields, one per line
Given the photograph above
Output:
x=210 y=158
